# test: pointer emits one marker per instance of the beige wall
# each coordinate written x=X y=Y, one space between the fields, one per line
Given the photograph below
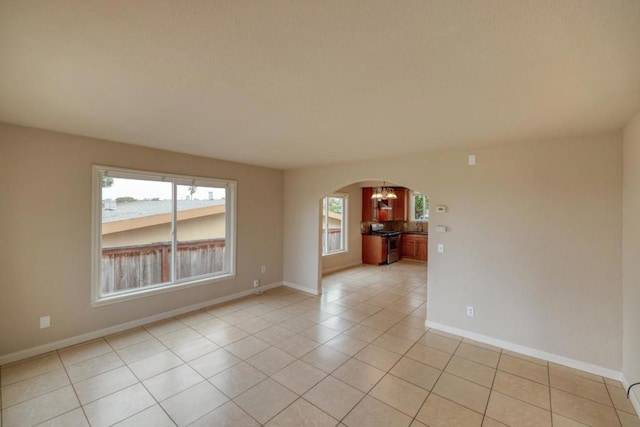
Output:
x=45 y=215
x=631 y=254
x=207 y=227
x=353 y=255
x=534 y=240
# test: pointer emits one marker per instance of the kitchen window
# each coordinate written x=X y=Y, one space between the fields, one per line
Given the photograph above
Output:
x=418 y=207
x=154 y=232
x=334 y=224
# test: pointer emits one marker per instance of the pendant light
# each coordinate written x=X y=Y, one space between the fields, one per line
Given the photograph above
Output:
x=383 y=192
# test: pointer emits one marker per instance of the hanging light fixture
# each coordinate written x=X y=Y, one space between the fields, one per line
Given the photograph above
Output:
x=383 y=192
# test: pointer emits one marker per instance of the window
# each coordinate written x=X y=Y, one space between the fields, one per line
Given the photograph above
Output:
x=419 y=207
x=334 y=224
x=155 y=232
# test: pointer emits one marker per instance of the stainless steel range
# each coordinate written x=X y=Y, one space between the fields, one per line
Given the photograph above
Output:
x=393 y=241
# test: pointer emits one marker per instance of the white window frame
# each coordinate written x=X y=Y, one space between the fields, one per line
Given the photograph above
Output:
x=412 y=207
x=98 y=172
x=345 y=221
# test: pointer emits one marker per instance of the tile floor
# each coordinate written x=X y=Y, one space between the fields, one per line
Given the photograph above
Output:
x=360 y=355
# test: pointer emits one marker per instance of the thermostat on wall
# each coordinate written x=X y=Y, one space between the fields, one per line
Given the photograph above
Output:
x=441 y=228
x=441 y=208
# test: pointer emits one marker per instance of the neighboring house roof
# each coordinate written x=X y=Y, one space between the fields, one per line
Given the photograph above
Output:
x=147 y=213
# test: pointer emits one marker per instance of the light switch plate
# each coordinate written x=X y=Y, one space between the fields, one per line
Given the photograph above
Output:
x=441 y=228
x=45 y=322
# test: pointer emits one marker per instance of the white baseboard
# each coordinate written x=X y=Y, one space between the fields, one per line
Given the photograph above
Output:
x=342 y=267
x=528 y=351
x=45 y=348
x=634 y=395
x=301 y=288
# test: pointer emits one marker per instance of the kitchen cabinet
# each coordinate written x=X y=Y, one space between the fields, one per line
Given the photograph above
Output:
x=374 y=249
x=414 y=246
x=368 y=211
x=399 y=205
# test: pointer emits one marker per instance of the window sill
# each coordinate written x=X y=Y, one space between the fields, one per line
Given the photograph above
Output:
x=330 y=254
x=128 y=296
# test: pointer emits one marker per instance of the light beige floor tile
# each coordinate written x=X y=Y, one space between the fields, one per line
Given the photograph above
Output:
x=237 y=379
x=194 y=317
x=560 y=421
x=227 y=415
x=439 y=412
x=73 y=418
x=523 y=389
x=227 y=336
x=33 y=387
x=488 y=422
x=482 y=345
x=173 y=381
x=253 y=325
x=553 y=367
x=613 y=383
x=297 y=346
x=101 y=385
x=377 y=357
x=92 y=367
x=299 y=376
x=417 y=373
x=580 y=386
x=393 y=343
x=210 y=327
x=429 y=356
x=164 y=327
x=406 y=332
x=274 y=334
x=297 y=324
x=128 y=338
x=346 y=344
x=118 y=406
x=193 y=403
x=400 y=394
x=439 y=342
x=461 y=391
x=302 y=413
x=628 y=420
x=214 y=362
x=325 y=358
x=179 y=337
x=319 y=333
x=583 y=410
x=478 y=354
x=140 y=351
x=247 y=347
x=525 y=369
x=265 y=400
x=84 y=351
x=339 y=324
x=334 y=397
x=154 y=365
x=516 y=412
x=28 y=368
x=270 y=360
x=150 y=417
x=359 y=375
x=194 y=349
x=472 y=371
x=276 y=316
x=364 y=333
x=525 y=357
x=41 y=408
x=371 y=412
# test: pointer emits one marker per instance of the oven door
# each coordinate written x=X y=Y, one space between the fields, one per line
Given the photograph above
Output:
x=393 y=249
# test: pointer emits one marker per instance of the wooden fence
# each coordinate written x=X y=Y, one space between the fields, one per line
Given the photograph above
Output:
x=334 y=240
x=129 y=267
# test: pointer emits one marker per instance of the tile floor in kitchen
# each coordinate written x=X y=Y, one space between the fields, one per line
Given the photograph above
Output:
x=360 y=355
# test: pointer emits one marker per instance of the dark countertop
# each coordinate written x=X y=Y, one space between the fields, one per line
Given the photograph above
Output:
x=420 y=233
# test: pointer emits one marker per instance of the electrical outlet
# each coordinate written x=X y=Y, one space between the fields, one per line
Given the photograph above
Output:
x=471 y=311
x=263 y=269
x=256 y=283
x=441 y=248
x=45 y=322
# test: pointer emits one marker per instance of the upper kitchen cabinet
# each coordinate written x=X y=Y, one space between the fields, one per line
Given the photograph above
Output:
x=399 y=205
x=368 y=210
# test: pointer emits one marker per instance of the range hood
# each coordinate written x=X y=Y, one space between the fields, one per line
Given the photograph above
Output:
x=383 y=205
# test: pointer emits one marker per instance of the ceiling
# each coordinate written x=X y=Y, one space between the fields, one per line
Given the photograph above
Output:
x=293 y=83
